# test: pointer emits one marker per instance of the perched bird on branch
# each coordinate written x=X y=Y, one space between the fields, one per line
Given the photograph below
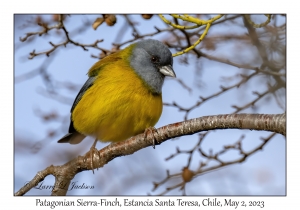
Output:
x=123 y=94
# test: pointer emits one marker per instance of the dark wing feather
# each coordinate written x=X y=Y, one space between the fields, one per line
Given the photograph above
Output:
x=84 y=88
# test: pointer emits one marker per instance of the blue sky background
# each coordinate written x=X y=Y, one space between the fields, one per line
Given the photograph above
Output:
x=264 y=173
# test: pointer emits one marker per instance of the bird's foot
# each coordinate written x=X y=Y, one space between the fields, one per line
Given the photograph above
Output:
x=93 y=151
x=151 y=130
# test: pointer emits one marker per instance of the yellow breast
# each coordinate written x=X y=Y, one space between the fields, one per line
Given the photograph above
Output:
x=117 y=106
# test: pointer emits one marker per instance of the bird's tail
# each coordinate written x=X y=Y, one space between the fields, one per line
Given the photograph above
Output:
x=72 y=138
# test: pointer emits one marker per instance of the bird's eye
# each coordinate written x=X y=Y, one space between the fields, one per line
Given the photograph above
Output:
x=155 y=59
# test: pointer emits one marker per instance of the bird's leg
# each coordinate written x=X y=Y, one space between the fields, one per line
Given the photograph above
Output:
x=151 y=129
x=93 y=150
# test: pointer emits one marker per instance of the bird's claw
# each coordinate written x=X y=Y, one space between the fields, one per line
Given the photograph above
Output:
x=93 y=150
x=151 y=130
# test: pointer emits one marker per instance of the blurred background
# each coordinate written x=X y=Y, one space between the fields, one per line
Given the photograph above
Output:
x=237 y=68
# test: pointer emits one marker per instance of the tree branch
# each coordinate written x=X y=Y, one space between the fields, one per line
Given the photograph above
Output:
x=65 y=173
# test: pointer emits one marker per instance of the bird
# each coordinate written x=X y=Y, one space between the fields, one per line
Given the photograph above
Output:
x=122 y=96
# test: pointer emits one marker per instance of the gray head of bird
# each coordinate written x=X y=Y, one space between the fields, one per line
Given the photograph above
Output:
x=152 y=61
